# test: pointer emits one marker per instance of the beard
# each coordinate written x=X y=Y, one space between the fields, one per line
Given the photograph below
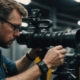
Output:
x=6 y=44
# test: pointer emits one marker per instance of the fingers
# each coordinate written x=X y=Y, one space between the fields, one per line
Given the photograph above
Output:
x=36 y=49
x=58 y=47
x=62 y=61
x=62 y=51
x=61 y=56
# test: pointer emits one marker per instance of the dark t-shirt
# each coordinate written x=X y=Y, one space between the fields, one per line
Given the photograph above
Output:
x=7 y=67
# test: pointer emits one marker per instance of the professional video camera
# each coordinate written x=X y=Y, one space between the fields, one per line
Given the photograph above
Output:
x=39 y=36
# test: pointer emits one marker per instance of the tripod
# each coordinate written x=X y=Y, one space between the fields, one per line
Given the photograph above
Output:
x=69 y=70
x=63 y=73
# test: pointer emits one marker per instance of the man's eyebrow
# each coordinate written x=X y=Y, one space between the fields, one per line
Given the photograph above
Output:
x=14 y=24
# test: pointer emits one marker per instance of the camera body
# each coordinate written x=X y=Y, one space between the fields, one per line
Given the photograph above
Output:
x=39 y=36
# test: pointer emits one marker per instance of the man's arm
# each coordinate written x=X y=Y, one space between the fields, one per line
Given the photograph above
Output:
x=53 y=58
x=23 y=63
x=30 y=74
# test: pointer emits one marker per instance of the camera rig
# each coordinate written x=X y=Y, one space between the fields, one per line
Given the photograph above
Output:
x=39 y=36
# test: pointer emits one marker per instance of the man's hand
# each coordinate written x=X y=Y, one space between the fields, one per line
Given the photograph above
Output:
x=33 y=52
x=55 y=57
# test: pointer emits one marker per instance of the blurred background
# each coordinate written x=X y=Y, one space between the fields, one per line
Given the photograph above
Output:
x=65 y=15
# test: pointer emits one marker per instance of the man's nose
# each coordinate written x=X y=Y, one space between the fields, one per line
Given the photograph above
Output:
x=17 y=33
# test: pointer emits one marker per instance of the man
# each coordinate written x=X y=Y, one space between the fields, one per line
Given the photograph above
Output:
x=11 y=14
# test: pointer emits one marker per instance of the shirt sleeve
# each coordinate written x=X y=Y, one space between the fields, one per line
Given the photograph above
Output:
x=11 y=66
x=3 y=79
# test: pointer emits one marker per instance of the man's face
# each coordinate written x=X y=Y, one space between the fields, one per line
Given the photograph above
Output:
x=7 y=31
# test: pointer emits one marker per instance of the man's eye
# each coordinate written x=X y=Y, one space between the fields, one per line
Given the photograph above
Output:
x=14 y=27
